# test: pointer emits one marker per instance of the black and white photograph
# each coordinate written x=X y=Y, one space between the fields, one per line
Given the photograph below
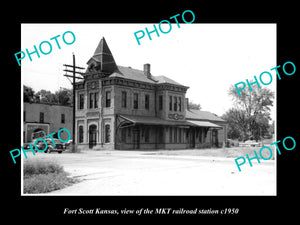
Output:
x=136 y=112
x=158 y=117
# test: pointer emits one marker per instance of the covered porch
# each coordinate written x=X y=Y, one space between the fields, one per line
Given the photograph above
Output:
x=144 y=132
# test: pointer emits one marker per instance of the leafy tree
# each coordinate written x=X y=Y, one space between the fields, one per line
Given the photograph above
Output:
x=237 y=123
x=45 y=96
x=64 y=97
x=61 y=97
x=193 y=105
x=251 y=113
x=28 y=94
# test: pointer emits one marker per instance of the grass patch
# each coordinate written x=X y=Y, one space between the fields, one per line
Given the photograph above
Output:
x=44 y=176
x=232 y=152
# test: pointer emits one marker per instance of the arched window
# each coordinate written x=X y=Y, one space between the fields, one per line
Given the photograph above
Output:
x=92 y=135
x=80 y=134
x=107 y=133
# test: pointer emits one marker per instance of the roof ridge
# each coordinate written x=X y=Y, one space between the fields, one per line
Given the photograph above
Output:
x=160 y=79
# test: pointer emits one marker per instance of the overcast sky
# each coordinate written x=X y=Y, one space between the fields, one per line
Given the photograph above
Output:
x=206 y=57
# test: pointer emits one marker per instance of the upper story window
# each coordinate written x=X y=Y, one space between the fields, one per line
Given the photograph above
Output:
x=41 y=117
x=160 y=102
x=62 y=118
x=96 y=99
x=93 y=100
x=179 y=104
x=170 y=102
x=107 y=98
x=175 y=103
x=146 y=101
x=124 y=99
x=135 y=100
x=81 y=101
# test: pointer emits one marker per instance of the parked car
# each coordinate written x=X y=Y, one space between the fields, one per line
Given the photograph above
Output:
x=59 y=146
x=68 y=143
x=232 y=143
x=250 y=143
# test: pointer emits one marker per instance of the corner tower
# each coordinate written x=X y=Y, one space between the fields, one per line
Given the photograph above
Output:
x=102 y=60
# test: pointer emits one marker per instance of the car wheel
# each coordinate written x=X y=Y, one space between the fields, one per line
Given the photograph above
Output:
x=60 y=152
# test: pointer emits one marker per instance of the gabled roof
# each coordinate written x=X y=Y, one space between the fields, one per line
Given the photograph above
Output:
x=129 y=120
x=163 y=79
x=194 y=114
x=203 y=124
x=138 y=75
x=152 y=120
x=132 y=74
x=103 y=61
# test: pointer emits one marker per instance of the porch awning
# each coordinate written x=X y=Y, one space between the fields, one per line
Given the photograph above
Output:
x=129 y=120
x=204 y=124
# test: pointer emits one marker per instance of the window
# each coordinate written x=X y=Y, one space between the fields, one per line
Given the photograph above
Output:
x=80 y=134
x=146 y=101
x=175 y=103
x=41 y=117
x=107 y=98
x=81 y=101
x=62 y=118
x=96 y=100
x=107 y=133
x=124 y=99
x=160 y=102
x=93 y=100
x=170 y=135
x=135 y=101
x=170 y=103
x=179 y=104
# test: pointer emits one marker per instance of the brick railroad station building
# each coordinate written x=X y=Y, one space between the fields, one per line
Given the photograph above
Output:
x=120 y=107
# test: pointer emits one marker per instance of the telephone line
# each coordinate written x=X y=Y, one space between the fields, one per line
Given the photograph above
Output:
x=73 y=76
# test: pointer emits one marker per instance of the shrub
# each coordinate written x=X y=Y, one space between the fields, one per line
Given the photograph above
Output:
x=41 y=183
x=41 y=167
x=44 y=176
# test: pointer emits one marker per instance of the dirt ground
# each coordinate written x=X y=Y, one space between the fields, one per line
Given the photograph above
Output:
x=176 y=172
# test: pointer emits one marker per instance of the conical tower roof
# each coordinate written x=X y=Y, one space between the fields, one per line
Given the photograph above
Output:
x=102 y=59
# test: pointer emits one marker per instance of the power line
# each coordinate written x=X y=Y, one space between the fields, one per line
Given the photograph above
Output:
x=73 y=76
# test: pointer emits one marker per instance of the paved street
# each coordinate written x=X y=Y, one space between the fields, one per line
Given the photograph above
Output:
x=149 y=173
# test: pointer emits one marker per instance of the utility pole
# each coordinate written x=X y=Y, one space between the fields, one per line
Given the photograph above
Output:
x=73 y=76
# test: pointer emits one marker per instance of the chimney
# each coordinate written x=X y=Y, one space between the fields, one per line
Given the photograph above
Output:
x=147 y=70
